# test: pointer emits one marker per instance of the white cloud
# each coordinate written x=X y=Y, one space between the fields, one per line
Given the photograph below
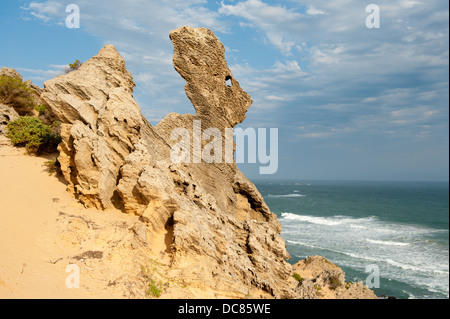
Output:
x=413 y=115
x=46 y=11
x=313 y=11
x=131 y=25
x=289 y=66
x=49 y=8
x=275 y=98
x=321 y=57
x=140 y=32
x=270 y=19
x=330 y=69
x=369 y=100
x=41 y=74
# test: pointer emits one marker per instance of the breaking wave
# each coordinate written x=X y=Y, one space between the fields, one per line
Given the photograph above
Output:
x=287 y=195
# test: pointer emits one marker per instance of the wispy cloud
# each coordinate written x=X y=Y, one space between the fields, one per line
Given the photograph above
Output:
x=43 y=75
x=318 y=73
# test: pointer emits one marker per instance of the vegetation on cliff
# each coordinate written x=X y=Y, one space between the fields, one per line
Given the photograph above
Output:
x=17 y=94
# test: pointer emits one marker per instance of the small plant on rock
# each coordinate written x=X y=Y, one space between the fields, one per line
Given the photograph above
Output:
x=334 y=282
x=41 y=109
x=73 y=66
x=297 y=277
x=154 y=289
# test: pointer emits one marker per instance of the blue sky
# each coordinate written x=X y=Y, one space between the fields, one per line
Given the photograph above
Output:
x=349 y=102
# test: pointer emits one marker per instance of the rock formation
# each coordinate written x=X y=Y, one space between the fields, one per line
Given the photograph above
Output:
x=11 y=73
x=218 y=231
x=32 y=98
x=223 y=234
x=322 y=279
x=7 y=114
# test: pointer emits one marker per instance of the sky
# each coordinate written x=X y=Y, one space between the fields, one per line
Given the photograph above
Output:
x=350 y=102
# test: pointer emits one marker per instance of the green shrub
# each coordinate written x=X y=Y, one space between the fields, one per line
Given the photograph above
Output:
x=16 y=94
x=41 y=109
x=73 y=66
x=334 y=282
x=297 y=277
x=33 y=134
x=154 y=289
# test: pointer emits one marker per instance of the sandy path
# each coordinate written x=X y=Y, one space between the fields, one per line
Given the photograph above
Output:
x=28 y=233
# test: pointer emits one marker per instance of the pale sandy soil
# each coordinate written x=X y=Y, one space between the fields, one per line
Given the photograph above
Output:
x=29 y=206
x=33 y=246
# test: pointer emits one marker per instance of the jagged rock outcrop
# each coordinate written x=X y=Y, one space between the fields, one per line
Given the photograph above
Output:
x=223 y=234
x=219 y=232
x=7 y=114
x=322 y=279
x=101 y=124
x=11 y=73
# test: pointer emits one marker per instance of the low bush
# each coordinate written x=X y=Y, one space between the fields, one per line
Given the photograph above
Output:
x=334 y=282
x=16 y=94
x=33 y=134
x=42 y=109
x=297 y=277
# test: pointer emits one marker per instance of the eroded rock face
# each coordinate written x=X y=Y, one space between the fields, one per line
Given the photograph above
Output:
x=223 y=234
x=199 y=57
x=7 y=114
x=11 y=73
x=219 y=232
x=322 y=279
x=101 y=124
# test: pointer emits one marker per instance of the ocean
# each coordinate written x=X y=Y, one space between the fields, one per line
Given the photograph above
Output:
x=393 y=236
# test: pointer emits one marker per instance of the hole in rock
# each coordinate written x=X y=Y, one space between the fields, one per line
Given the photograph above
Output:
x=117 y=201
x=228 y=81
x=168 y=237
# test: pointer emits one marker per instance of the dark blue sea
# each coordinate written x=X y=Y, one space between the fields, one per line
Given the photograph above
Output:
x=396 y=231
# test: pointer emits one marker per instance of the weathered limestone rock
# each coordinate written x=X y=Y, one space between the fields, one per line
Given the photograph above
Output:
x=199 y=57
x=223 y=234
x=323 y=279
x=36 y=91
x=11 y=73
x=7 y=114
x=101 y=123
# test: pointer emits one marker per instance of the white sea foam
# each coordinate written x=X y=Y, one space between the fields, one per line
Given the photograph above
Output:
x=406 y=266
x=311 y=219
x=403 y=252
x=376 y=260
x=287 y=195
x=328 y=221
x=302 y=244
x=386 y=242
